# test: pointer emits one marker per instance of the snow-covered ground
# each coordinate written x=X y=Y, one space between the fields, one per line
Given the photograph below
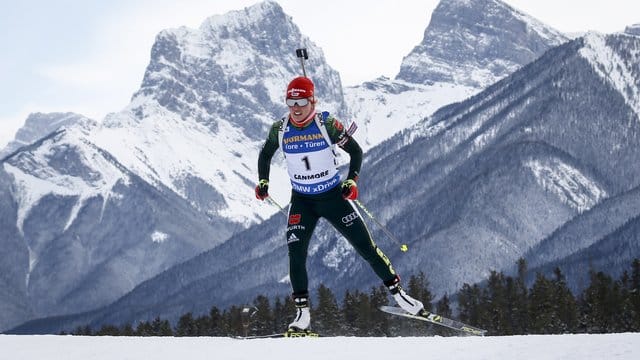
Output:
x=532 y=347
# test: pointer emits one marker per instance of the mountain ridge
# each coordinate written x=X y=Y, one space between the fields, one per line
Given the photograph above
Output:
x=474 y=24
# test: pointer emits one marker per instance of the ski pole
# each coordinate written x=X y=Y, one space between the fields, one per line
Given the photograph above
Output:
x=403 y=247
x=273 y=202
x=302 y=55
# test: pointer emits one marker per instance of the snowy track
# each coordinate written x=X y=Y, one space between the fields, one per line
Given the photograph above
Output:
x=538 y=347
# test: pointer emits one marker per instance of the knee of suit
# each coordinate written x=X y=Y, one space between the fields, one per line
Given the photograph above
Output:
x=297 y=255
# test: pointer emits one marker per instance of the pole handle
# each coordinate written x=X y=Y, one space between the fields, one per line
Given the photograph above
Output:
x=302 y=55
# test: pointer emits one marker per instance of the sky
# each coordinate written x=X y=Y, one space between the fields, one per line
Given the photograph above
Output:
x=89 y=57
x=624 y=346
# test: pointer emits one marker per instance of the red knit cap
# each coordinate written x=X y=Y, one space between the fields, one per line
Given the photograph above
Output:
x=300 y=87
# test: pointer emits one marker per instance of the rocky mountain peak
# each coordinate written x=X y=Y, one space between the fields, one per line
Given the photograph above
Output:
x=222 y=83
x=39 y=125
x=502 y=39
x=233 y=67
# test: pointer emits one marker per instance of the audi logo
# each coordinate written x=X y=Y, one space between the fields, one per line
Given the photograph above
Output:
x=349 y=218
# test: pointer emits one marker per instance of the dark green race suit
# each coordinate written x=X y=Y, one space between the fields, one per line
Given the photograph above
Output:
x=320 y=194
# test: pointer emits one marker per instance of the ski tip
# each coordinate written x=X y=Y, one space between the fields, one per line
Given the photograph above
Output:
x=462 y=328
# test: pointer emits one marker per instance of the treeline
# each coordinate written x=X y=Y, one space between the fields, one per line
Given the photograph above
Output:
x=503 y=305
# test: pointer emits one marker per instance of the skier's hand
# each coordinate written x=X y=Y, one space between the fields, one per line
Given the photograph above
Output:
x=262 y=189
x=349 y=189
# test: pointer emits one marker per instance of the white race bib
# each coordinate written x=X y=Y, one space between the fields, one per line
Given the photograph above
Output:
x=311 y=161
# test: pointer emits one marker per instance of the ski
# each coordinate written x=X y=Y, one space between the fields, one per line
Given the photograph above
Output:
x=270 y=336
x=436 y=319
x=287 y=334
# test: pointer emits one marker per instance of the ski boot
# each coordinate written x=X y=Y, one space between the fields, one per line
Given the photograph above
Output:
x=406 y=302
x=303 y=316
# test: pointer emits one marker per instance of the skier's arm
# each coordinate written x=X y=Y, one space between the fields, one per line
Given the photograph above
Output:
x=266 y=153
x=339 y=136
x=355 y=152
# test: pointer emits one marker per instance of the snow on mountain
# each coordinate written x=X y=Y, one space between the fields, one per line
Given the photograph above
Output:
x=615 y=64
x=203 y=110
x=43 y=173
x=476 y=42
x=83 y=229
x=35 y=178
x=567 y=183
x=39 y=125
x=204 y=168
x=383 y=107
x=467 y=46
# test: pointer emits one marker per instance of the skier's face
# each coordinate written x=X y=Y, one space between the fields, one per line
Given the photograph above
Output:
x=299 y=109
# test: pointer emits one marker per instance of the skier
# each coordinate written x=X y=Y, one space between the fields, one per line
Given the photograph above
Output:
x=306 y=137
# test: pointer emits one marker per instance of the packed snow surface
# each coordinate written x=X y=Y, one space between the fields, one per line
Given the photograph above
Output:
x=531 y=347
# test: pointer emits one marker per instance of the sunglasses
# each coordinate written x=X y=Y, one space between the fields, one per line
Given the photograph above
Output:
x=297 y=102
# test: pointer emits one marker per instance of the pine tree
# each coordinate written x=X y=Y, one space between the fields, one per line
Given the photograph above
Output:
x=601 y=304
x=418 y=287
x=202 y=325
x=327 y=313
x=518 y=300
x=633 y=290
x=566 y=306
x=495 y=298
x=349 y=312
x=144 y=329
x=161 y=327
x=544 y=319
x=108 y=330
x=627 y=308
x=83 y=331
x=443 y=307
x=378 y=298
x=364 y=321
x=186 y=326
x=262 y=321
x=282 y=312
x=232 y=319
x=216 y=325
x=127 y=330
x=470 y=307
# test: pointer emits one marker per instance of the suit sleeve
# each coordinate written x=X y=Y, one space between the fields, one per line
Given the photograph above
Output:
x=266 y=153
x=339 y=136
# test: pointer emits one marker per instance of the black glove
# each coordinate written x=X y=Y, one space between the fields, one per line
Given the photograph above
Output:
x=262 y=189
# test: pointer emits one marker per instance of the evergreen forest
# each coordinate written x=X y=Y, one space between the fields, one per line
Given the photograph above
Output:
x=503 y=305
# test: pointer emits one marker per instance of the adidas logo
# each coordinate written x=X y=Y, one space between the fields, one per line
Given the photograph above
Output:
x=292 y=238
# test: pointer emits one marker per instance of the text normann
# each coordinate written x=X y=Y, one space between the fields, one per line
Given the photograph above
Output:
x=297 y=138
